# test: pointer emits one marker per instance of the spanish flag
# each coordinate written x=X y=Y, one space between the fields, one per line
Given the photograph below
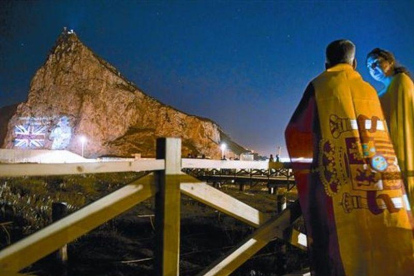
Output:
x=398 y=106
x=357 y=214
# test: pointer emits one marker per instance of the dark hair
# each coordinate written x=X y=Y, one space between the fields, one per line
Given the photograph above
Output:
x=340 y=51
x=388 y=56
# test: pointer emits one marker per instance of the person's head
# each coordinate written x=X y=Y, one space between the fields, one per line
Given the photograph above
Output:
x=340 y=51
x=382 y=64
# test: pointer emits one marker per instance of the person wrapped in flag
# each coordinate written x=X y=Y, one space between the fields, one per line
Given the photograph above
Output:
x=357 y=215
x=397 y=102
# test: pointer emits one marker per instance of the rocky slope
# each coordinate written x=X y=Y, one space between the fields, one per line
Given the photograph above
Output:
x=76 y=93
x=6 y=112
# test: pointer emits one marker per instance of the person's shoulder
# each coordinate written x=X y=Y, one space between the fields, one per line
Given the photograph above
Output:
x=310 y=89
x=402 y=85
x=403 y=79
x=321 y=75
x=318 y=79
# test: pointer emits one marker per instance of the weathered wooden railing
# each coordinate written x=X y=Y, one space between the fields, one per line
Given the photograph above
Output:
x=274 y=176
x=250 y=173
x=166 y=183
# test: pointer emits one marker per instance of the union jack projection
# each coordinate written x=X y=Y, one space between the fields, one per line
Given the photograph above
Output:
x=30 y=136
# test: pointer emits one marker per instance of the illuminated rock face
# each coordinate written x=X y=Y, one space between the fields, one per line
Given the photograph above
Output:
x=77 y=93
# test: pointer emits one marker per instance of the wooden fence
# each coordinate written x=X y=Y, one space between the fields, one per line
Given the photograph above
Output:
x=166 y=183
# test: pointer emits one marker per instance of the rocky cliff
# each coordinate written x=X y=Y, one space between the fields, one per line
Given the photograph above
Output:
x=76 y=93
x=6 y=113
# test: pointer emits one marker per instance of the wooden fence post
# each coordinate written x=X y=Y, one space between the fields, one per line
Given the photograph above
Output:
x=59 y=211
x=167 y=208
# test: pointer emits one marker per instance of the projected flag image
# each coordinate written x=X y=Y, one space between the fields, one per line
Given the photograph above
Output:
x=30 y=136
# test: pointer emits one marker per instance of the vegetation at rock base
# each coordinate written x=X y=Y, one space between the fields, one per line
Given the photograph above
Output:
x=125 y=245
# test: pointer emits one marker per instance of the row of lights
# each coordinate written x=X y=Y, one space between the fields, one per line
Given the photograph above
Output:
x=223 y=146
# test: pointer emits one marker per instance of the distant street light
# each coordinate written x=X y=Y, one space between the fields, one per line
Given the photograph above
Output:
x=223 y=147
x=83 y=141
x=279 y=152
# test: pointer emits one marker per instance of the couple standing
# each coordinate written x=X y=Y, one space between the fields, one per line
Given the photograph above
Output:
x=352 y=195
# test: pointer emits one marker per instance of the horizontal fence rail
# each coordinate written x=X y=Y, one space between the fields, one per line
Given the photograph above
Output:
x=193 y=163
x=17 y=169
x=166 y=182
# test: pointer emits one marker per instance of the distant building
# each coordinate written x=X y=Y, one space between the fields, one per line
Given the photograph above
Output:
x=247 y=156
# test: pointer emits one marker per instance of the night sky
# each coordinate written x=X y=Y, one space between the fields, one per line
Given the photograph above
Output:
x=243 y=64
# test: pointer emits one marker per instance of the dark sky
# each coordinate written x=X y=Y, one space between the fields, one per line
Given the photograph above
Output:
x=243 y=64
